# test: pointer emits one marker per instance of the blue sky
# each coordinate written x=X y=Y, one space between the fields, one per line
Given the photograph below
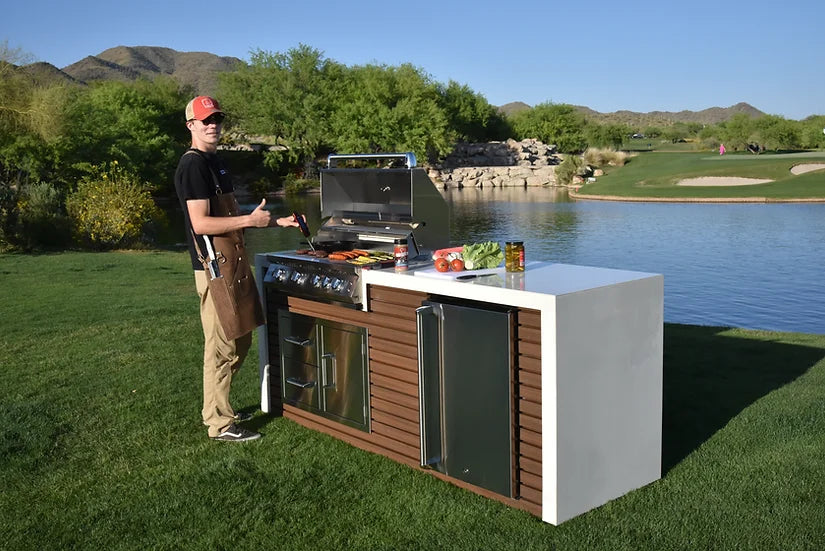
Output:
x=640 y=56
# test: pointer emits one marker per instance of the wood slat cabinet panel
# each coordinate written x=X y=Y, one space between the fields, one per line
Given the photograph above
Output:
x=527 y=404
x=393 y=388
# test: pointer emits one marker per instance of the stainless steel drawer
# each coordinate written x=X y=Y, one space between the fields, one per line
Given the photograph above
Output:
x=300 y=384
x=298 y=337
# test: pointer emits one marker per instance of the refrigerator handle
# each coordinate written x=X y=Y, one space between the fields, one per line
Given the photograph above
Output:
x=429 y=414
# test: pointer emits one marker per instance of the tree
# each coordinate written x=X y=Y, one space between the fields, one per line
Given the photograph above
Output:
x=287 y=96
x=777 y=133
x=31 y=121
x=676 y=133
x=812 y=132
x=736 y=132
x=558 y=124
x=138 y=124
x=30 y=125
x=471 y=116
x=652 y=131
x=391 y=109
x=607 y=135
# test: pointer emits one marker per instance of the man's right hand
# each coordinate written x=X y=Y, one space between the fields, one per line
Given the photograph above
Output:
x=259 y=218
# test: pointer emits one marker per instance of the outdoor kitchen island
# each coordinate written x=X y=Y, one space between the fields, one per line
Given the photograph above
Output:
x=540 y=389
x=600 y=376
x=584 y=388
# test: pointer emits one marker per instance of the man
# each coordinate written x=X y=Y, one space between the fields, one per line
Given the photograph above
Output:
x=214 y=225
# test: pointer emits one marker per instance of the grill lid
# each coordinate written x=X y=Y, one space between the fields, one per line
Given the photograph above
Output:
x=383 y=203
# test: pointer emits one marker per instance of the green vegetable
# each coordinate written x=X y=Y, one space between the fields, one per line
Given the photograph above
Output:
x=479 y=256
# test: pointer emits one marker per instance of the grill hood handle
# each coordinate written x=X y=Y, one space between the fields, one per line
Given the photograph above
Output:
x=408 y=158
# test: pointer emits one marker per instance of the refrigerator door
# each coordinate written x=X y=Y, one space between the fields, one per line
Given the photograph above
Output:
x=475 y=389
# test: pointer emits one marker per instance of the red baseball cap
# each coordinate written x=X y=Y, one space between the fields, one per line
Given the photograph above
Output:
x=201 y=107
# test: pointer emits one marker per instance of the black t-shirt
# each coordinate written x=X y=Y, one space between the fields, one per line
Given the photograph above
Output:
x=195 y=179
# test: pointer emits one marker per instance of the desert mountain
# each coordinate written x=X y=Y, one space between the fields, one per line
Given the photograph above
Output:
x=200 y=69
x=513 y=107
x=712 y=115
x=46 y=72
x=196 y=69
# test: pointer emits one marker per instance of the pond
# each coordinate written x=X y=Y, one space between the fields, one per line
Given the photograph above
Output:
x=755 y=266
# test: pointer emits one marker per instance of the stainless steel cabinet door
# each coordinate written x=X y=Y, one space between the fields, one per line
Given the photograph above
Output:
x=343 y=366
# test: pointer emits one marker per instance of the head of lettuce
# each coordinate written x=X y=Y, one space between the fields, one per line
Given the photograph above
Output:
x=480 y=256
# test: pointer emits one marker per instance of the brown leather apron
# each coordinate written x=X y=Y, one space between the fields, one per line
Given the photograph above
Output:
x=236 y=297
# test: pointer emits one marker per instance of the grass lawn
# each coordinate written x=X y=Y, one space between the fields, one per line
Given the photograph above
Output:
x=656 y=175
x=101 y=445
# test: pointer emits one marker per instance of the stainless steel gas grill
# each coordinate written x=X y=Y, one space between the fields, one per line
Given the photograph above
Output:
x=309 y=357
x=366 y=210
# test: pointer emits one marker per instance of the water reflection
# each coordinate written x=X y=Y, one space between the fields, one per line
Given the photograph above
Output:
x=743 y=265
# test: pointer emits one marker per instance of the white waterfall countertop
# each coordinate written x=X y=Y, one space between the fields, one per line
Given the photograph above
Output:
x=538 y=281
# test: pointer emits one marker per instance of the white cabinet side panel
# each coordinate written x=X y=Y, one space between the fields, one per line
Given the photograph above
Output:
x=609 y=403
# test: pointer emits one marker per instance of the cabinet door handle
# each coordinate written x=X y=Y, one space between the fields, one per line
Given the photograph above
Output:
x=327 y=382
x=429 y=414
x=298 y=341
x=300 y=384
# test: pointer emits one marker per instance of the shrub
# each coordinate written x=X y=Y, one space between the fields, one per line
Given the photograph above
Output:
x=568 y=168
x=112 y=208
x=42 y=220
x=604 y=157
x=261 y=187
x=8 y=214
x=294 y=185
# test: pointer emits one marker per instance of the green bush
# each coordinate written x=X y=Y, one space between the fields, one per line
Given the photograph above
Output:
x=294 y=185
x=568 y=168
x=8 y=214
x=32 y=217
x=42 y=220
x=112 y=208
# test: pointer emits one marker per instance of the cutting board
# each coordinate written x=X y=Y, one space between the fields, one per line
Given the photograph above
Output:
x=432 y=272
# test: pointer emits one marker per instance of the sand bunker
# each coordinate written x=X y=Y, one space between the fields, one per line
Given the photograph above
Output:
x=721 y=181
x=809 y=167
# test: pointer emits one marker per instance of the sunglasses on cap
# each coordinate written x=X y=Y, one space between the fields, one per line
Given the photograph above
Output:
x=214 y=118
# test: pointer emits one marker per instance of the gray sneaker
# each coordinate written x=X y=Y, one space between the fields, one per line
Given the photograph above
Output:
x=234 y=433
x=241 y=416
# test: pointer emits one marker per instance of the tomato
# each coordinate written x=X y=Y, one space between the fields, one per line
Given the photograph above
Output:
x=442 y=265
x=457 y=265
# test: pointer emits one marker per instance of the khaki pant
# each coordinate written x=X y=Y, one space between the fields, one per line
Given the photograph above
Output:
x=222 y=358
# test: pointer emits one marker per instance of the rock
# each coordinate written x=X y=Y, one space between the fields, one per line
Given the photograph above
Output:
x=498 y=164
